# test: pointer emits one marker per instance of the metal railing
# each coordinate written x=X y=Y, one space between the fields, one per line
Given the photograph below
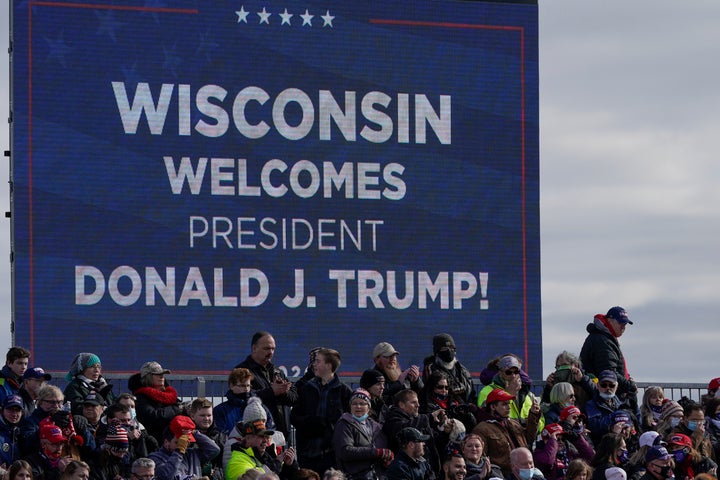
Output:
x=214 y=387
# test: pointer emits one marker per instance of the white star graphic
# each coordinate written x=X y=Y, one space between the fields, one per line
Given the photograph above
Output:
x=307 y=18
x=327 y=19
x=286 y=17
x=242 y=14
x=264 y=16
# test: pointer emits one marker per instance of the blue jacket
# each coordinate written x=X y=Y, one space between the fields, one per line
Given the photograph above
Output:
x=176 y=466
x=405 y=468
x=9 y=442
x=9 y=384
x=230 y=412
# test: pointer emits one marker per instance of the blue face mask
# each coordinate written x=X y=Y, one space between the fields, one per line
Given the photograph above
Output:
x=623 y=457
x=679 y=456
x=361 y=419
x=692 y=425
x=674 y=421
x=528 y=473
x=606 y=396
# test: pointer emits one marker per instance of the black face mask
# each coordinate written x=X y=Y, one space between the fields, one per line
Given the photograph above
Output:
x=243 y=395
x=446 y=355
x=666 y=472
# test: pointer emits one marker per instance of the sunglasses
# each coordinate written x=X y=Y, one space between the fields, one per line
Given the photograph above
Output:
x=607 y=385
x=512 y=372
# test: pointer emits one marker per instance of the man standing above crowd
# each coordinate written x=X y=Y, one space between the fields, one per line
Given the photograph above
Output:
x=386 y=360
x=270 y=383
x=321 y=403
x=32 y=381
x=601 y=351
x=16 y=363
x=443 y=359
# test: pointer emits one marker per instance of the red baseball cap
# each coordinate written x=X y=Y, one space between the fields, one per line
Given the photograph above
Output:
x=498 y=395
x=182 y=425
x=714 y=384
x=571 y=410
x=553 y=428
x=680 y=439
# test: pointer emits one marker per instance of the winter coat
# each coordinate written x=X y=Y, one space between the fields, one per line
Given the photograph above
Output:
x=601 y=351
x=356 y=448
x=315 y=414
x=262 y=386
x=230 y=412
x=80 y=387
x=155 y=408
x=9 y=442
x=519 y=407
x=406 y=468
x=503 y=435
x=552 y=456
x=176 y=466
x=460 y=381
x=599 y=415
x=397 y=419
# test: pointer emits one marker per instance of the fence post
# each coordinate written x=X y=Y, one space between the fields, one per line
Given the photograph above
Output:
x=200 y=387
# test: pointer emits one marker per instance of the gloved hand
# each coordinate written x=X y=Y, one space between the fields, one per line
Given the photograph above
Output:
x=182 y=444
x=385 y=454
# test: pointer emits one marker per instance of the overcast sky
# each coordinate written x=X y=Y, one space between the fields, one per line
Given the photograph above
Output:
x=630 y=197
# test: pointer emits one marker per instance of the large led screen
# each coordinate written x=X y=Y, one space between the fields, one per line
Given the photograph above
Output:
x=338 y=173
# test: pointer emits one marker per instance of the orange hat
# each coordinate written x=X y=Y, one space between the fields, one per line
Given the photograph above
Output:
x=182 y=425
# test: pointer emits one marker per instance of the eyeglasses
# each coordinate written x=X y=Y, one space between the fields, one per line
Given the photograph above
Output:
x=607 y=385
x=442 y=387
x=572 y=395
x=512 y=372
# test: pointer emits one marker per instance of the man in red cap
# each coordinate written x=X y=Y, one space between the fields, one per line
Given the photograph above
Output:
x=713 y=387
x=45 y=463
x=502 y=433
x=184 y=451
x=601 y=351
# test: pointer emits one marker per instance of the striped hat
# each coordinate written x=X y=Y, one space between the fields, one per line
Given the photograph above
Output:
x=117 y=437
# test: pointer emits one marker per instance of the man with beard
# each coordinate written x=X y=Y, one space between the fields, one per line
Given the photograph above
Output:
x=454 y=468
x=386 y=362
x=443 y=359
x=270 y=383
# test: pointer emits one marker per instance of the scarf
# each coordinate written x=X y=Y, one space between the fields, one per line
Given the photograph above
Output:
x=163 y=397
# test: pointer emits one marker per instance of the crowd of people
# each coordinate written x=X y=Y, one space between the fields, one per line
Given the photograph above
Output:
x=415 y=423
